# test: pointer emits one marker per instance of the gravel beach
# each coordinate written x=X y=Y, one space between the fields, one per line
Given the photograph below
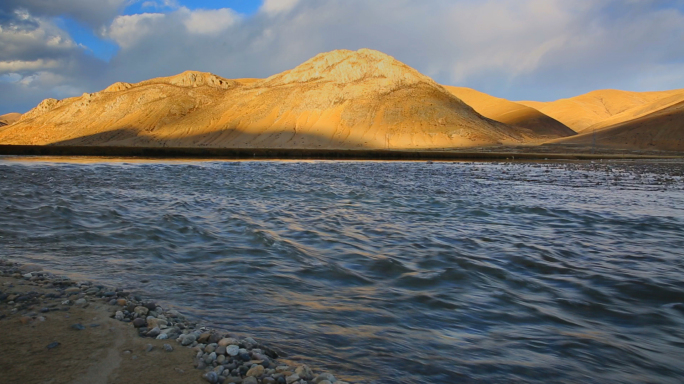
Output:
x=58 y=330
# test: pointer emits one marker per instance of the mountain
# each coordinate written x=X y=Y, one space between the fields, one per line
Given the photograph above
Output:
x=593 y=108
x=9 y=118
x=662 y=130
x=511 y=113
x=340 y=99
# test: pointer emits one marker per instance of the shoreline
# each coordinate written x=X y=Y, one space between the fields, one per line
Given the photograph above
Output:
x=542 y=152
x=128 y=331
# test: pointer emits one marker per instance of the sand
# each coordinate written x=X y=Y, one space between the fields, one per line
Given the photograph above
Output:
x=337 y=100
x=511 y=113
x=108 y=353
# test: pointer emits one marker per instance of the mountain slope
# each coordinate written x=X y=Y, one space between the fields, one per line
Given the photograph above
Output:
x=663 y=130
x=9 y=118
x=511 y=113
x=584 y=111
x=340 y=99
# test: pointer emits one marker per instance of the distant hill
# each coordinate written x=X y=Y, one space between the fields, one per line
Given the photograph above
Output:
x=593 y=108
x=9 y=118
x=340 y=99
x=662 y=130
x=511 y=113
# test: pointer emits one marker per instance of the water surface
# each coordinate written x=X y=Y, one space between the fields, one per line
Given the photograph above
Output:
x=388 y=272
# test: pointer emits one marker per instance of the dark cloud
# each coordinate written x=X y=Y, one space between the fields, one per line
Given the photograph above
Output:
x=91 y=12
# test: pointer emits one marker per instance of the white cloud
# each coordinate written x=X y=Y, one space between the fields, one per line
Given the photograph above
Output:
x=278 y=6
x=209 y=22
x=127 y=30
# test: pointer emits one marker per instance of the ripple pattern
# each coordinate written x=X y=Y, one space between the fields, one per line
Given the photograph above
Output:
x=394 y=272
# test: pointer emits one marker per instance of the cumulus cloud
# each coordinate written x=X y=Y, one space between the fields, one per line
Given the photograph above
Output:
x=519 y=49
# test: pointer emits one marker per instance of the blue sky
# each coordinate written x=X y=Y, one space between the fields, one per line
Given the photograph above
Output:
x=515 y=49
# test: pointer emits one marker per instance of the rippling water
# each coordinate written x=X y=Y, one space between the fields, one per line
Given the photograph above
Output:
x=390 y=272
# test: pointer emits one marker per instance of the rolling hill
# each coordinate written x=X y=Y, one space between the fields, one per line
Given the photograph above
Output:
x=336 y=100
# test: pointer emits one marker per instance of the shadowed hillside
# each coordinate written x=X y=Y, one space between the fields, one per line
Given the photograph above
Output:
x=663 y=130
x=511 y=113
x=591 y=109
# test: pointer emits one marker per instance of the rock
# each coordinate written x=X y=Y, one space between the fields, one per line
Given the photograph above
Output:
x=168 y=348
x=188 y=339
x=256 y=370
x=250 y=380
x=211 y=377
x=281 y=380
x=78 y=327
x=53 y=345
x=220 y=350
x=227 y=341
x=141 y=311
x=245 y=357
x=210 y=348
x=81 y=302
x=121 y=302
x=268 y=380
x=248 y=342
x=72 y=290
x=232 y=350
x=139 y=322
x=292 y=378
x=304 y=372
x=119 y=315
x=149 y=348
x=92 y=291
x=150 y=306
x=221 y=359
x=324 y=382
x=203 y=338
x=163 y=336
x=25 y=320
x=154 y=332
x=324 y=376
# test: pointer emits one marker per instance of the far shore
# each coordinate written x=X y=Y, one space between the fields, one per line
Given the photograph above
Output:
x=540 y=152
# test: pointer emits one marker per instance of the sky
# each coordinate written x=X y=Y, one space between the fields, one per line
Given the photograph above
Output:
x=516 y=49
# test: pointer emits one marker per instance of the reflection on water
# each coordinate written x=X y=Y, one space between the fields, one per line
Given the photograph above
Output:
x=392 y=272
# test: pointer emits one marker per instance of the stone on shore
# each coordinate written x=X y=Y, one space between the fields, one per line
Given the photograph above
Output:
x=256 y=370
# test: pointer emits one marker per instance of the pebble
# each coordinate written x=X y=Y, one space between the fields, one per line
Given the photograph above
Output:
x=232 y=350
x=119 y=315
x=53 y=345
x=141 y=311
x=292 y=378
x=168 y=348
x=324 y=376
x=154 y=332
x=188 y=339
x=78 y=327
x=149 y=348
x=256 y=370
x=250 y=380
x=163 y=336
x=304 y=372
x=139 y=322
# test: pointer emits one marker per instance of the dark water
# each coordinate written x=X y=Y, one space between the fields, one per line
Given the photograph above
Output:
x=388 y=272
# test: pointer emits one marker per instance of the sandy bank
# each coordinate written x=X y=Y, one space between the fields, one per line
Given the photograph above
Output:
x=61 y=331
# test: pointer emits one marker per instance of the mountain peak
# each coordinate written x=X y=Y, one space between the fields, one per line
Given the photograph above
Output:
x=345 y=67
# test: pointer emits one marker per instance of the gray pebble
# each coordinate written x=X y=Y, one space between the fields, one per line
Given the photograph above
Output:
x=168 y=348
